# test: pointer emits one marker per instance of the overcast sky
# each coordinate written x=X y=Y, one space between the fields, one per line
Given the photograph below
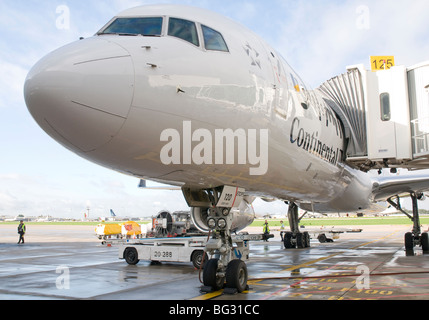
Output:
x=318 y=38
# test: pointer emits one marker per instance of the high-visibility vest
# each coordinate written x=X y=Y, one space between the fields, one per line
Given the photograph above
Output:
x=266 y=228
x=21 y=228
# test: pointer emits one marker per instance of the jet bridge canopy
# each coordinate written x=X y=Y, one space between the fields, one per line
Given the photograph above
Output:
x=385 y=115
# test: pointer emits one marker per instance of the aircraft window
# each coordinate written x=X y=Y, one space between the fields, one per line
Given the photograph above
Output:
x=385 y=107
x=183 y=29
x=213 y=40
x=135 y=26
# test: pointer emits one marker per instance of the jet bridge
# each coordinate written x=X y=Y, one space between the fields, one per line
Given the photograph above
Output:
x=385 y=115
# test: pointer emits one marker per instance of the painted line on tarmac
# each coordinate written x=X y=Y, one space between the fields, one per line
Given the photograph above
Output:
x=215 y=294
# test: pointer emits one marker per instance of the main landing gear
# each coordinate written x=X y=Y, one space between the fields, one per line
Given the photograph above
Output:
x=295 y=238
x=415 y=237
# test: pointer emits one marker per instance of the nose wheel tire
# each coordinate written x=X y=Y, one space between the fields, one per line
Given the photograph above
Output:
x=210 y=277
x=236 y=275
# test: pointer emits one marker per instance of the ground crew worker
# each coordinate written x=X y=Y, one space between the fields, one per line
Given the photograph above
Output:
x=282 y=229
x=266 y=230
x=21 y=232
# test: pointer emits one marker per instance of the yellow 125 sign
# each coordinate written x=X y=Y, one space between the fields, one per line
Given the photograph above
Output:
x=382 y=62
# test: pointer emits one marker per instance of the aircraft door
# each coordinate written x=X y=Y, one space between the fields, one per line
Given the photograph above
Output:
x=280 y=101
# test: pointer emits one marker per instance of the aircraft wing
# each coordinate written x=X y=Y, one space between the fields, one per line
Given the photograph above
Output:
x=387 y=187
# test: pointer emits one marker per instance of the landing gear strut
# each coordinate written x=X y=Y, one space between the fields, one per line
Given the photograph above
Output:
x=225 y=269
x=415 y=237
x=295 y=238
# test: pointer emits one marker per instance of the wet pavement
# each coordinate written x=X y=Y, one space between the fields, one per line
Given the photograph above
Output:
x=69 y=263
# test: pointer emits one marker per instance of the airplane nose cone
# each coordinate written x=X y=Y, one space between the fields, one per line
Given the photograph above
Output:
x=81 y=94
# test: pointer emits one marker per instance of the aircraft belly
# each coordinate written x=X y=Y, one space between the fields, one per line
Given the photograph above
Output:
x=354 y=194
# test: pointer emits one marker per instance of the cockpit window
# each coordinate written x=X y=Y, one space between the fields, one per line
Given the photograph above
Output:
x=213 y=40
x=135 y=26
x=183 y=29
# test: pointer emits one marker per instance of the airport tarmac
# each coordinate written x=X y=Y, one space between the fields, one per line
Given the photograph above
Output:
x=69 y=262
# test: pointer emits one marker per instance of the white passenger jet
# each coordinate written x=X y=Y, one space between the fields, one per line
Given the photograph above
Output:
x=189 y=98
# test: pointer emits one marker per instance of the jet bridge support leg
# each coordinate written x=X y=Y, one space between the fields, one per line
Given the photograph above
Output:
x=294 y=238
x=416 y=237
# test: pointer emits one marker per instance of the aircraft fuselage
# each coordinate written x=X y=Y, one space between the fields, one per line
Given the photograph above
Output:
x=172 y=110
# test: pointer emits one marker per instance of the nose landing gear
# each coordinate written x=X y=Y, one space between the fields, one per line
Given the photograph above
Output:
x=226 y=269
x=213 y=208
